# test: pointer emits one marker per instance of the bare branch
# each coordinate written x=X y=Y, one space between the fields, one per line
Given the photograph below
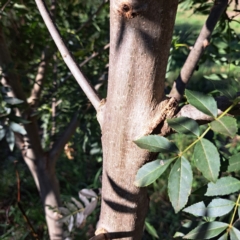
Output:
x=92 y=56
x=33 y=100
x=92 y=16
x=78 y=75
x=196 y=52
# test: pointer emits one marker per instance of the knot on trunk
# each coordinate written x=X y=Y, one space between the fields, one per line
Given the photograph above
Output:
x=130 y=9
x=167 y=109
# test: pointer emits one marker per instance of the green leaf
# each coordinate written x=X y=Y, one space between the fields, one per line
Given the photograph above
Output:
x=155 y=143
x=223 y=186
x=2 y=133
x=151 y=230
x=219 y=207
x=234 y=233
x=207 y=159
x=197 y=209
x=234 y=163
x=224 y=237
x=13 y=101
x=10 y=139
x=17 y=119
x=202 y=102
x=17 y=128
x=184 y=125
x=225 y=125
x=180 y=183
x=207 y=230
x=149 y=172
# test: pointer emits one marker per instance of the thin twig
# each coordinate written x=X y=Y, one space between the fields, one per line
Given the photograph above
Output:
x=72 y=65
x=196 y=52
x=92 y=56
x=5 y=5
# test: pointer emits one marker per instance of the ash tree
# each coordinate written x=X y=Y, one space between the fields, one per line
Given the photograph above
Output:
x=135 y=117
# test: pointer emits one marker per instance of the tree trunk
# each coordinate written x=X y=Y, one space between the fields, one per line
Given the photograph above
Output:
x=140 y=39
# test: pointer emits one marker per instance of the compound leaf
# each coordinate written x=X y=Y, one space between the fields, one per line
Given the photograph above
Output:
x=149 y=172
x=202 y=102
x=184 y=125
x=234 y=163
x=207 y=159
x=197 y=209
x=223 y=186
x=180 y=183
x=219 y=207
x=207 y=230
x=225 y=125
x=155 y=143
x=234 y=234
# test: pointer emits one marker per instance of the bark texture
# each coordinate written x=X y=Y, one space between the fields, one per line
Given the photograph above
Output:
x=140 y=39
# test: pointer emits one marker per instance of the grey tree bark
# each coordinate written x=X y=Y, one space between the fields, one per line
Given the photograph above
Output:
x=140 y=39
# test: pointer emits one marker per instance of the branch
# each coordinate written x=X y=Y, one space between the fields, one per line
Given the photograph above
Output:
x=196 y=52
x=62 y=140
x=94 y=54
x=33 y=100
x=82 y=81
x=92 y=16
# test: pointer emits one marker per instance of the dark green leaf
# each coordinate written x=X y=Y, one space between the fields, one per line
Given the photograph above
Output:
x=223 y=186
x=180 y=183
x=225 y=125
x=184 y=125
x=13 y=101
x=225 y=86
x=149 y=172
x=207 y=230
x=197 y=209
x=234 y=233
x=155 y=143
x=17 y=119
x=207 y=159
x=151 y=230
x=234 y=163
x=10 y=139
x=202 y=102
x=17 y=128
x=219 y=207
